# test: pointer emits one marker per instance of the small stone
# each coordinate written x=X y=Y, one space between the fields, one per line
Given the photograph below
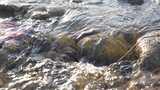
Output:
x=56 y=11
x=136 y=2
x=39 y=15
x=133 y=2
x=77 y=1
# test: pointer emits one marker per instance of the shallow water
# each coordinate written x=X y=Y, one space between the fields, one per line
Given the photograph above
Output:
x=75 y=44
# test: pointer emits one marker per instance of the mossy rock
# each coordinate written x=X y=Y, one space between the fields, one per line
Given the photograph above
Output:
x=64 y=47
x=104 y=49
x=66 y=40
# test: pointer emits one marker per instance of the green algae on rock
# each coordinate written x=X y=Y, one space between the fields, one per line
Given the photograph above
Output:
x=79 y=44
x=105 y=48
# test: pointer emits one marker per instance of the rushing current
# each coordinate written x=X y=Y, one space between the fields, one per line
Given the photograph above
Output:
x=79 y=44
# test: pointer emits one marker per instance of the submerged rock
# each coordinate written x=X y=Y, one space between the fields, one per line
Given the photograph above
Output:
x=89 y=77
x=65 y=47
x=92 y=45
x=37 y=72
x=3 y=58
x=4 y=79
x=104 y=49
x=77 y=1
x=43 y=13
x=7 y=11
x=136 y=2
x=56 y=11
x=38 y=13
x=149 y=50
x=145 y=80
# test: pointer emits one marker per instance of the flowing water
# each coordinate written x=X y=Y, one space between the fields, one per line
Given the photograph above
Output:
x=79 y=45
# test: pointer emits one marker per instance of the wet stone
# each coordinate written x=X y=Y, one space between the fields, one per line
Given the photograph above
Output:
x=43 y=13
x=149 y=48
x=136 y=2
x=7 y=11
x=4 y=79
x=56 y=11
x=38 y=13
x=133 y=2
x=93 y=52
x=77 y=1
x=3 y=58
x=118 y=74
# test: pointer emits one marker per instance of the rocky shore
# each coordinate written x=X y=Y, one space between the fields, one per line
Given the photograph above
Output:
x=79 y=45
